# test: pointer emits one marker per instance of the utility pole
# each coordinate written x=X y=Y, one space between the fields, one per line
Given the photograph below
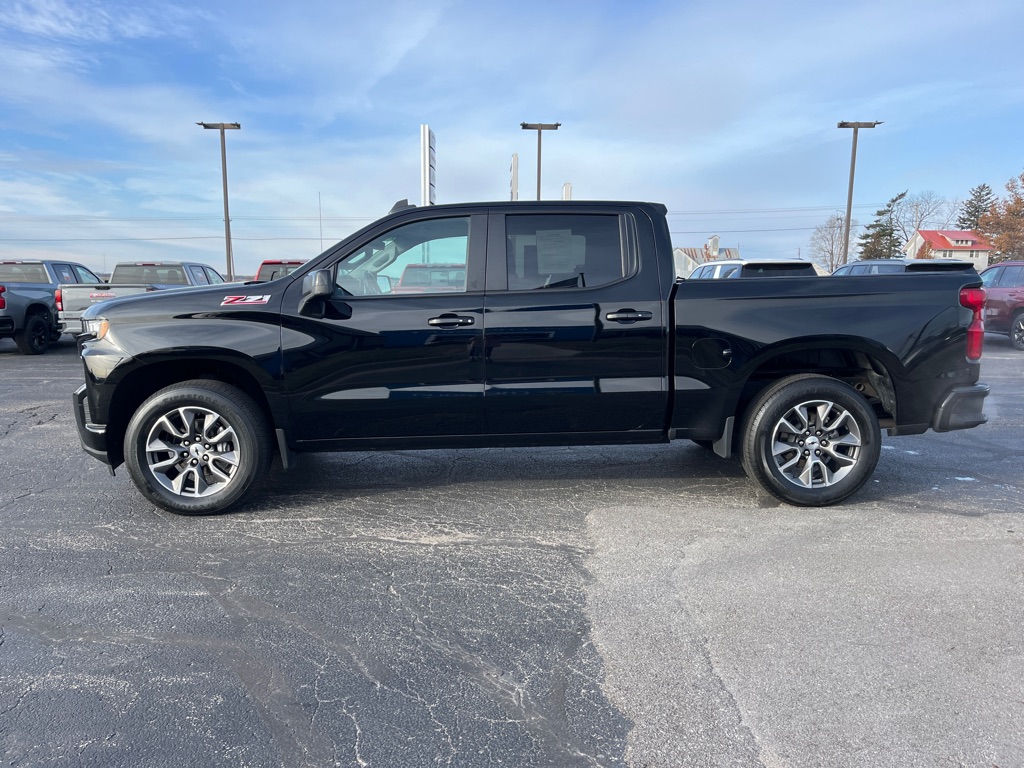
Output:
x=224 y=175
x=853 y=164
x=539 y=128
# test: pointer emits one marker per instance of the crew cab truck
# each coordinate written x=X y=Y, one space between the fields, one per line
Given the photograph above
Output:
x=129 y=278
x=28 y=308
x=571 y=329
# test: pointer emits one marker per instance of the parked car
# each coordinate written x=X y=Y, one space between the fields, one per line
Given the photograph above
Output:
x=1004 y=302
x=898 y=266
x=195 y=390
x=28 y=304
x=127 y=279
x=271 y=269
x=730 y=268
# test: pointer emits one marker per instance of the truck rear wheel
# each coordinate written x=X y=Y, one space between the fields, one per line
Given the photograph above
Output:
x=198 y=448
x=810 y=440
x=34 y=338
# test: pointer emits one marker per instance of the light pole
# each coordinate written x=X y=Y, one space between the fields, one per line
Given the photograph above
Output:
x=224 y=173
x=539 y=128
x=853 y=164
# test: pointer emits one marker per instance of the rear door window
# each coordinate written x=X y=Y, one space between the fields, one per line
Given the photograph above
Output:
x=64 y=273
x=564 y=251
x=1011 y=277
x=198 y=275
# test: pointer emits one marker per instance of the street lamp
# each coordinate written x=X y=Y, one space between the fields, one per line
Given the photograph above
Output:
x=853 y=164
x=539 y=128
x=224 y=173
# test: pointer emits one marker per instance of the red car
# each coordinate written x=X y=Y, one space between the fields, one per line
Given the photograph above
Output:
x=1004 y=302
x=275 y=268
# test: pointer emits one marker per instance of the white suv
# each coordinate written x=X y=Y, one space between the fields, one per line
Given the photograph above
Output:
x=728 y=268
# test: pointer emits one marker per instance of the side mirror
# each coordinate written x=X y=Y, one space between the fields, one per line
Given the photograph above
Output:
x=316 y=287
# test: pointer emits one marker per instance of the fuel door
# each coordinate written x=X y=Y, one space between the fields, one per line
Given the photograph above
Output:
x=710 y=354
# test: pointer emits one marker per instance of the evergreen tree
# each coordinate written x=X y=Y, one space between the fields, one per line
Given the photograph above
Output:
x=977 y=205
x=880 y=239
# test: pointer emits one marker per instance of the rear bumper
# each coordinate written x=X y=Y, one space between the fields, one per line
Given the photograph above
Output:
x=961 y=408
x=6 y=325
x=93 y=436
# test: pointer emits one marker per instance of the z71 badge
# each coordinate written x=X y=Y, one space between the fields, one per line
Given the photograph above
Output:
x=245 y=300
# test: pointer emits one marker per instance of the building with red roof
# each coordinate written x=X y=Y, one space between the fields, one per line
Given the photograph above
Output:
x=950 y=244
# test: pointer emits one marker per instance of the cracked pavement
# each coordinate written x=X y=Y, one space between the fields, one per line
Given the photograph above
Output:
x=635 y=605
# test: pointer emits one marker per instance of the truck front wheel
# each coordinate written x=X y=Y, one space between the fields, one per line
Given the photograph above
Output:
x=197 y=448
x=810 y=440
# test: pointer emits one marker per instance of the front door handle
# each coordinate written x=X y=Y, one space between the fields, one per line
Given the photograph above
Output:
x=628 y=316
x=450 y=320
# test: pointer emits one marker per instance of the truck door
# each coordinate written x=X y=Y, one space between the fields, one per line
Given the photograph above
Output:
x=574 y=337
x=382 y=364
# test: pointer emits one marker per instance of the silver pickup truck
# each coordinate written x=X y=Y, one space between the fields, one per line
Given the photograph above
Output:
x=129 y=278
x=28 y=308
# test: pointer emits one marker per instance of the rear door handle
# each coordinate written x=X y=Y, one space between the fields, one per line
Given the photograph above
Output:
x=449 y=320
x=628 y=316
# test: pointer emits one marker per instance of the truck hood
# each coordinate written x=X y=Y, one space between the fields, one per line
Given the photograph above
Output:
x=185 y=299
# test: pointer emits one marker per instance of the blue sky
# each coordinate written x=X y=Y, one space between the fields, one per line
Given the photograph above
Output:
x=725 y=111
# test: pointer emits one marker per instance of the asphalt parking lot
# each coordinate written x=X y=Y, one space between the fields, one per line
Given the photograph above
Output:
x=635 y=605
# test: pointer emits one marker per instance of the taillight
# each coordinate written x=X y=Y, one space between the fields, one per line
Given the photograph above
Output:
x=974 y=300
x=59 y=300
x=3 y=301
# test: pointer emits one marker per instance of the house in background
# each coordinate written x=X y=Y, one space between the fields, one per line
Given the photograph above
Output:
x=950 y=244
x=688 y=259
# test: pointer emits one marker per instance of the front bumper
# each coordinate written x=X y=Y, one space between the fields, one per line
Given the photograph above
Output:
x=93 y=436
x=961 y=408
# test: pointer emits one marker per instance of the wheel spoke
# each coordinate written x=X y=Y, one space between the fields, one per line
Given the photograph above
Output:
x=166 y=425
x=828 y=443
x=199 y=472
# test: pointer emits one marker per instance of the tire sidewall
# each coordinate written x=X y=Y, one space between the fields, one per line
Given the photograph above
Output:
x=252 y=464
x=1018 y=319
x=758 y=438
x=33 y=339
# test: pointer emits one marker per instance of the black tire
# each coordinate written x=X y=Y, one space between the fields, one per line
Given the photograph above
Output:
x=195 y=477
x=1017 y=331
x=34 y=338
x=830 y=460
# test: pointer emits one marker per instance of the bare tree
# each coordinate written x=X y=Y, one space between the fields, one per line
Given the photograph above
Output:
x=923 y=210
x=827 y=242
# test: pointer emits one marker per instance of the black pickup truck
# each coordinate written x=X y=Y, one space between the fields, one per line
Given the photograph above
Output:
x=568 y=326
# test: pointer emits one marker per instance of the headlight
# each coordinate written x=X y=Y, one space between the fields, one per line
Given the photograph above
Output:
x=96 y=327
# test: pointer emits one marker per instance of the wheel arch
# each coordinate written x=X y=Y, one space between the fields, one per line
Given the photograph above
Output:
x=38 y=308
x=873 y=372
x=144 y=380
